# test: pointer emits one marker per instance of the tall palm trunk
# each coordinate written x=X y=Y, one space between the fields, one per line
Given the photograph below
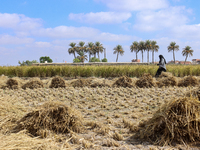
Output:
x=142 y=55
x=74 y=55
x=147 y=55
x=174 y=56
x=117 y=56
x=98 y=56
x=136 y=56
x=89 y=57
x=104 y=53
x=153 y=56
x=186 y=58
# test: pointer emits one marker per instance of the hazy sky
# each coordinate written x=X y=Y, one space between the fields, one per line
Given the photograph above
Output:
x=30 y=29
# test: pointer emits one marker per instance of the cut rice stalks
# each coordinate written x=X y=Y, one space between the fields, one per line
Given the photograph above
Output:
x=177 y=122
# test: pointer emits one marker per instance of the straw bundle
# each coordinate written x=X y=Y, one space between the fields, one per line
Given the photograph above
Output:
x=33 y=84
x=12 y=84
x=165 y=74
x=146 y=81
x=99 y=83
x=81 y=83
x=54 y=117
x=194 y=93
x=167 y=81
x=188 y=81
x=57 y=82
x=123 y=81
x=176 y=122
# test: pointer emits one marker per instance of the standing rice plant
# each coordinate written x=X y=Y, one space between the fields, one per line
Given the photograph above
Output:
x=187 y=71
x=86 y=71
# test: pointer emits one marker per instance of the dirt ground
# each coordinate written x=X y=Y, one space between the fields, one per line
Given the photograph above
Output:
x=110 y=114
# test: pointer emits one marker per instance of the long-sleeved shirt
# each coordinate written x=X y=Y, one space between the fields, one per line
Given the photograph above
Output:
x=162 y=63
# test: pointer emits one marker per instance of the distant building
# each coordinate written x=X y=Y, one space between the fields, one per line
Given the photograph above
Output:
x=172 y=62
x=183 y=62
x=134 y=60
x=179 y=62
x=195 y=61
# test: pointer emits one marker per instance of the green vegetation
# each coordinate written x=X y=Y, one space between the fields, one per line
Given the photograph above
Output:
x=173 y=47
x=46 y=58
x=76 y=60
x=93 y=59
x=187 y=51
x=144 y=46
x=27 y=62
x=97 y=71
x=92 y=49
x=118 y=50
x=104 y=60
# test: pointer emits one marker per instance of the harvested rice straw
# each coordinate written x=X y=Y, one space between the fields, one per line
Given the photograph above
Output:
x=51 y=116
x=175 y=122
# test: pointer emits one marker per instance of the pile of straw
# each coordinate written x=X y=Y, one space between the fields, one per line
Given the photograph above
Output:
x=146 y=81
x=166 y=74
x=51 y=117
x=194 y=93
x=99 y=83
x=33 y=84
x=57 y=82
x=176 y=122
x=12 y=84
x=123 y=81
x=167 y=79
x=188 y=81
x=81 y=83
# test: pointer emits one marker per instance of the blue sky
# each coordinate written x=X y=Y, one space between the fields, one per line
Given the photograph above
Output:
x=31 y=29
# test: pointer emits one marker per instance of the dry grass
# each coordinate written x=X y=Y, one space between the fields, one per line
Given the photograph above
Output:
x=146 y=81
x=167 y=79
x=176 y=122
x=123 y=81
x=166 y=75
x=57 y=82
x=52 y=116
x=81 y=83
x=33 y=85
x=110 y=115
x=188 y=81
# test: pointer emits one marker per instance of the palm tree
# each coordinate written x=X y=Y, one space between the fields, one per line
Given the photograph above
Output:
x=119 y=50
x=154 y=49
x=91 y=49
x=187 y=51
x=73 y=49
x=135 y=47
x=173 y=47
x=82 y=57
x=99 y=48
x=142 y=48
x=81 y=46
x=148 y=48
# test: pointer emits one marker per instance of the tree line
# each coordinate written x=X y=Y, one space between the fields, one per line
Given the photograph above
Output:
x=94 y=49
x=153 y=47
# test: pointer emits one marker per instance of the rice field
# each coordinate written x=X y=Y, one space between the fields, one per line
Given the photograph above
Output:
x=96 y=71
x=92 y=113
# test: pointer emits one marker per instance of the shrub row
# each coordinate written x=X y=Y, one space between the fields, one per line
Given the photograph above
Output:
x=96 y=71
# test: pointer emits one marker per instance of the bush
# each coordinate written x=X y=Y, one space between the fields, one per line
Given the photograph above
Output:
x=104 y=60
x=76 y=60
x=93 y=59
x=27 y=62
x=46 y=58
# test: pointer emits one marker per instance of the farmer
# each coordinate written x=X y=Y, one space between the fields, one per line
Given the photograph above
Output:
x=161 y=65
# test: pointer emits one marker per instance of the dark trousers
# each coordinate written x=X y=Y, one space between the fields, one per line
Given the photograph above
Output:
x=159 y=71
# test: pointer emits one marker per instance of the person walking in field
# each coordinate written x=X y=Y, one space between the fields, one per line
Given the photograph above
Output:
x=161 y=65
